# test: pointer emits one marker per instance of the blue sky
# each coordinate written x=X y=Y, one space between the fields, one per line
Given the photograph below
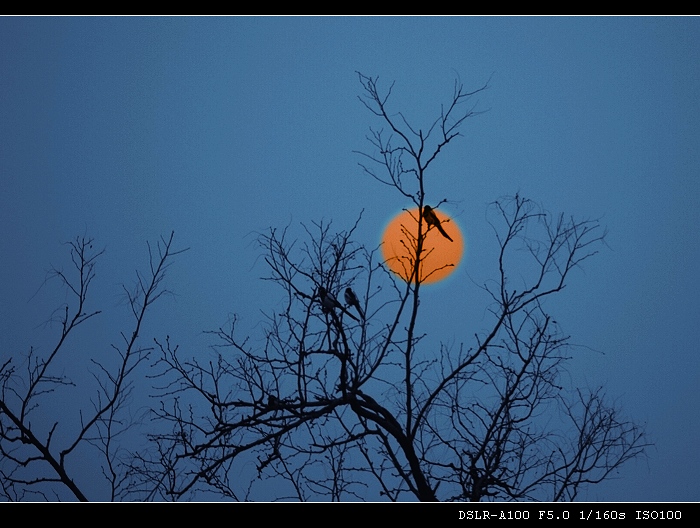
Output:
x=220 y=128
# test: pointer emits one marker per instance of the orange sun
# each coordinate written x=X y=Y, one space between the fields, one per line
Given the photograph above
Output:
x=440 y=257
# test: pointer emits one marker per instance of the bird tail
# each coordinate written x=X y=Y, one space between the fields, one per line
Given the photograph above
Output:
x=442 y=231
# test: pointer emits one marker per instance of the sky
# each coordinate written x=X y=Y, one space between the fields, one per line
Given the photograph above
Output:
x=127 y=128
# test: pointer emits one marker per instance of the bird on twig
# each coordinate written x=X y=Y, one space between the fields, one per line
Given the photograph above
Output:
x=432 y=220
x=329 y=303
x=352 y=300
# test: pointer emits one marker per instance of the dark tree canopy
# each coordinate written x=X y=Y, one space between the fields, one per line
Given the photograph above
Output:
x=344 y=401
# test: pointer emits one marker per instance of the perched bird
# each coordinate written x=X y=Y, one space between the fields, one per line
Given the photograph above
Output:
x=352 y=300
x=432 y=220
x=329 y=303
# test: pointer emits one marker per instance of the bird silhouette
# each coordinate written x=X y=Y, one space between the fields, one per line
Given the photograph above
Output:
x=352 y=300
x=432 y=220
x=329 y=303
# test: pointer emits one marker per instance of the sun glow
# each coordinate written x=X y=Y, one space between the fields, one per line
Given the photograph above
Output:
x=440 y=256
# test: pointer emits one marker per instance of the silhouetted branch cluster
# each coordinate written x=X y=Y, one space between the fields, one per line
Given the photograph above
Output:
x=36 y=449
x=404 y=151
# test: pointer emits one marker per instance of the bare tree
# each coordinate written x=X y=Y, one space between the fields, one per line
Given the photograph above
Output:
x=39 y=453
x=338 y=400
x=338 y=406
